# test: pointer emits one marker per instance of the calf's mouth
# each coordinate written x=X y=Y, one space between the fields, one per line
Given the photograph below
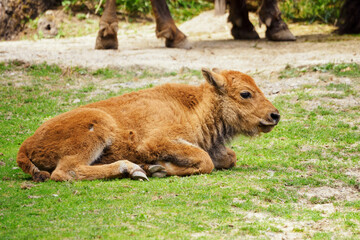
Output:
x=266 y=127
x=268 y=124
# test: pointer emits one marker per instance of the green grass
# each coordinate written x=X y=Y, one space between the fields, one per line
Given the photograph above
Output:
x=127 y=75
x=326 y=11
x=339 y=70
x=343 y=69
x=291 y=72
x=181 y=10
x=184 y=10
x=312 y=148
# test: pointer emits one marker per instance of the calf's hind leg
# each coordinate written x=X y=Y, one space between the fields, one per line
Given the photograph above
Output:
x=79 y=165
x=82 y=137
x=119 y=169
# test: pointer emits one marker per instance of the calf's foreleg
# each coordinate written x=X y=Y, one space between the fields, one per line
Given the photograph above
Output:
x=223 y=157
x=178 y=157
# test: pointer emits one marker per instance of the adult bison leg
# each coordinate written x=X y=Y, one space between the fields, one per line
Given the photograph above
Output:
x=270 y=15
x=166 y=28
x=239 y=17
x=107 y=34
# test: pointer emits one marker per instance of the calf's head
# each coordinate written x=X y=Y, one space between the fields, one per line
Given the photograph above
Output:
x=242 y=104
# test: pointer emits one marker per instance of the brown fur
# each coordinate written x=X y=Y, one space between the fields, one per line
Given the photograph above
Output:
x=180 y=127
x=107 y=34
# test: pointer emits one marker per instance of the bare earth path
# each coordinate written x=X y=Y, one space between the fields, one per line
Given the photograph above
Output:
x=212 y=47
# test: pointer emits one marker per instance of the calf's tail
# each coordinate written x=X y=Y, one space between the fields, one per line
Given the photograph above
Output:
x=27 y=166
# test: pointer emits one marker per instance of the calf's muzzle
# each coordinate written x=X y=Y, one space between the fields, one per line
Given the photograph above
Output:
x=275 y=116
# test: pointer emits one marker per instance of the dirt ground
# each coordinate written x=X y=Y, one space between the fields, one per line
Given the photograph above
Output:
x=212 y=43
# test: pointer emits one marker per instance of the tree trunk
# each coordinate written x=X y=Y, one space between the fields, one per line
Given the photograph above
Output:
x=220 y=7
x=15 y=13
x=349 y=20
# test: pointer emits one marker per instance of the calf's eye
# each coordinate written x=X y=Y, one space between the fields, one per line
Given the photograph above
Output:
x=245 y=95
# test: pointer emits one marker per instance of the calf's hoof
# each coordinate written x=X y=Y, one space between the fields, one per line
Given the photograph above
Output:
x=132 y=170
x=244 y=34
x=139 y=175
x=160 y=174
x=157 y=171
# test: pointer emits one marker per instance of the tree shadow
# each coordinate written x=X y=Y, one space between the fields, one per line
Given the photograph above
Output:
x=326 y=37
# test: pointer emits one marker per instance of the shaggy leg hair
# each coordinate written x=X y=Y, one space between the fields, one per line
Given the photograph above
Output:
x=349 y=20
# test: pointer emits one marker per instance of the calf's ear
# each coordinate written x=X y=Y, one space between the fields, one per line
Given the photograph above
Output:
x=215 y=79
x=216 y=70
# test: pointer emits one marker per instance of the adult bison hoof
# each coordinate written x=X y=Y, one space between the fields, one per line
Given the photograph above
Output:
x=139 y=175
x=282 y=35
x=175 y=43
x=157 y=171
x=244 y=34
x=277 y=30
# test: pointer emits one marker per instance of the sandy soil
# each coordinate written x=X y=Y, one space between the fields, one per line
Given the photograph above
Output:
x=213 y=46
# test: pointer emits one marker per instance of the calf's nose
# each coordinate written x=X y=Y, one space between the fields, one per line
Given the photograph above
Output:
x=275 y=116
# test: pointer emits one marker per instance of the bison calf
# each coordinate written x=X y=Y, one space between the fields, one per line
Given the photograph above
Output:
x=171 y=129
